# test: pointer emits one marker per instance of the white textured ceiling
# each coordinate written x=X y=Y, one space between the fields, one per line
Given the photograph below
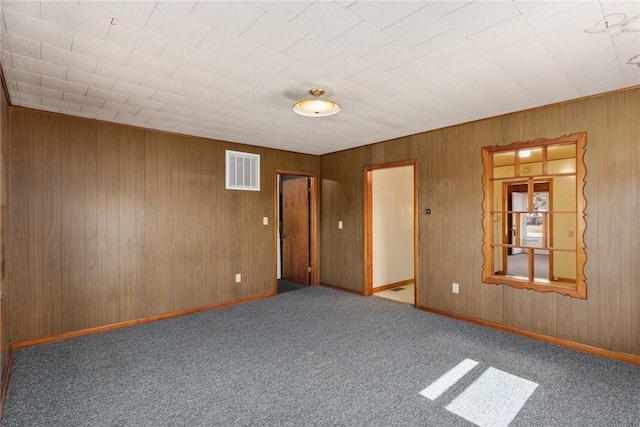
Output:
x=232 y=70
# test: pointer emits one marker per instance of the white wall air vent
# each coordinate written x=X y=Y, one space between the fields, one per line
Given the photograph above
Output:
x=242 y=171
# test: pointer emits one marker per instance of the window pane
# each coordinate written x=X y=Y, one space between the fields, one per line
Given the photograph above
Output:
x=564 y=230
x=566 y=151
x=541 y=266
x=561 y=166
x=504 y=171
x=564 y=193
x=564 y=266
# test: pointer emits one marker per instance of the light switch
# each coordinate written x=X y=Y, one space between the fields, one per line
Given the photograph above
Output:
x=340 y=225
x=265 y=220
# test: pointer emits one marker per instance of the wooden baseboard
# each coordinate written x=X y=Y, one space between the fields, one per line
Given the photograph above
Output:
x=128 y=323
x=340 y=288
x=392 y=285
x=5 y=378
x=585 y=348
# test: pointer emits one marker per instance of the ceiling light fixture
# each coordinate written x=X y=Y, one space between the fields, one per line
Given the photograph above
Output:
x=316 y=105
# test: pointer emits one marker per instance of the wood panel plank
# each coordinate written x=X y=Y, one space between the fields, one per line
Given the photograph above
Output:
x=38 y=304
x=153 y=242
x=126 y=214
x=140 y=224
x=92 y=237
x=22 y=130
x=73 y=231
x=110 y=293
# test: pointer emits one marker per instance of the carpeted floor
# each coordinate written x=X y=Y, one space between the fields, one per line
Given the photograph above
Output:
x=316 y=357
x=287 y=286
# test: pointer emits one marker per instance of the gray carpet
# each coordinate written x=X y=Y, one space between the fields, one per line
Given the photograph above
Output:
x=287 y=286
x=314 y=357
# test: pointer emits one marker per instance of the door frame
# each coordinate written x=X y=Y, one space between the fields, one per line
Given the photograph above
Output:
x=313 y=223
x=368 y=224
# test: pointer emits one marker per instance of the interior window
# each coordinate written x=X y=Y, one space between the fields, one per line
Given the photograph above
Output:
x=534 y=219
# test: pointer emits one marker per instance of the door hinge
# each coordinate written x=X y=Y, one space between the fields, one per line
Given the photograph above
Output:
x=308 y=269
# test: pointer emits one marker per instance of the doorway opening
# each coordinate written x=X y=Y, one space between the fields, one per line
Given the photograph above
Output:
x=295 y=229
x=391 y=231
x=528 y=228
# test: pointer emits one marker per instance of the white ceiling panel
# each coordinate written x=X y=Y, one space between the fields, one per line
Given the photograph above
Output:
x=344 y=65
x=34 y=66
x=20 y=45
x=267 y=60
x=266 y=31
x=82 y=100
x=231 y=70
x=370 y=77
x=186 y=55
x=420 y=26
x=159 y=83
x=480 y=15
x=381 y=14
x=118 y=72
x=105 y=95
x=100 y=49
x=173 y=20
x=67 y=58
x=443 y=8
x=532 y=11
x=312 y=50
x=414 y=69
x=170 y=98
x=390 y=56
x=444 y=45
x=132 y=90
x=70 y=15
x=232 y=16
x=194 y=77
x=511 y=31
x=222 y=43
x=128 y=35
x=18 y=76
x=326 y=20
x=134 y=13
x=463 y=61
x=27 y=8
x=64 y=86
x=303 y=73
x=285 y=10
x=361 y=40
x=150 y=64
x=40 y=91
x=37 y=30
x=152 y=114
x=146 y=104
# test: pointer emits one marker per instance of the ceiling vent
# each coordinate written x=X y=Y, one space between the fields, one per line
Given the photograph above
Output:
x=242 y=171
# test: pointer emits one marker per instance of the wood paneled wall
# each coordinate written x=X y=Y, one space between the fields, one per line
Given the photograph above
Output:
x=4 y=230
x=112 y=223
x=450 y=239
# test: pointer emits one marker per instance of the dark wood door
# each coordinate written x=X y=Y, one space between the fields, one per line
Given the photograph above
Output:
x=295 y=230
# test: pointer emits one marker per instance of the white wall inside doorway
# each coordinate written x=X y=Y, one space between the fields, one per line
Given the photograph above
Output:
x=393 y=225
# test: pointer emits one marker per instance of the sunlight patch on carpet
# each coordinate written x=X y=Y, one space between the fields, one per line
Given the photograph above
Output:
x=443 y=383
x=494 y=399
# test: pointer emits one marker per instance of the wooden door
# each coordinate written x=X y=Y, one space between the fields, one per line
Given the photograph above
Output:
x=295 y=230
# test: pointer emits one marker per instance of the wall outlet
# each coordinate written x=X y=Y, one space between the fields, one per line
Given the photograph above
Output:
x=265 y=220
x=339 y=225
x=455 y=287
x=238 y=278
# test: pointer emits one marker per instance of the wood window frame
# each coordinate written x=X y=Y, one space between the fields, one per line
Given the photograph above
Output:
x=577 y=289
